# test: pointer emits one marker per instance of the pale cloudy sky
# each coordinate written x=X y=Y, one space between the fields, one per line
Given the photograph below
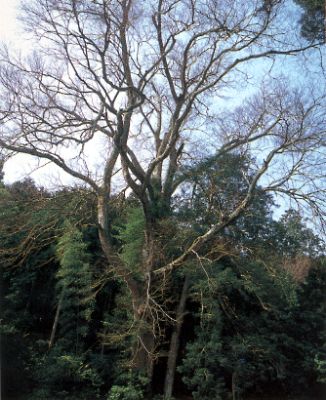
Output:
x=21 y=166
x=8 y=24
x=11 y=34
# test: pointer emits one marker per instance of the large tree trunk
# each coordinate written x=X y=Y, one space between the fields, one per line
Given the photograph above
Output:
x=175 y=342
x=143 y=359
x=143 y=353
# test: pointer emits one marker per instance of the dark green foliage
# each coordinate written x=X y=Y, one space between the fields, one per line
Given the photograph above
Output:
x=27 y=277
x=217 y=187
x=32 y=282
x=66 y=368
x=258 y=328
x=202 y=368
x=294 y=238
x=256 y=332
x=312 y=310
x=61 y=373
x=252 y=326
x=15 y=377
x=131 y=235
x=129 y=386
x=74 y=285
x=118 y=334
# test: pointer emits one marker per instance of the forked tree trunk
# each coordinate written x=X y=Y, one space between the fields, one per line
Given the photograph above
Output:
x=175 y=342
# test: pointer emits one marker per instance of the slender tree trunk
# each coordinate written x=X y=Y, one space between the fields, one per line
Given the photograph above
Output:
x=56 y=319
x=235 y=389
x=175 y=342
x=143 y=357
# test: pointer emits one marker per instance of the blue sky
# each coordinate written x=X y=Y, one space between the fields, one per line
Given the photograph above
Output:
x=301 y=70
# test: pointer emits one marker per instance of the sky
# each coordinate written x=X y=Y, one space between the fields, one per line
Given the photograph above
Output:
x=10 y=34
x=20 y=166
x=8 y=25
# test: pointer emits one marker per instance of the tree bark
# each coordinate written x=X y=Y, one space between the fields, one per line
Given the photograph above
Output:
x=175 y=342
x=143 y=357
x=144 y=354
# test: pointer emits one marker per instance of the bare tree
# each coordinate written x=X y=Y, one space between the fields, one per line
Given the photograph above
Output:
x=143 y=77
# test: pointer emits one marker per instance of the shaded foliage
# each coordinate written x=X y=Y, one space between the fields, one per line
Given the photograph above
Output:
x=254 y=327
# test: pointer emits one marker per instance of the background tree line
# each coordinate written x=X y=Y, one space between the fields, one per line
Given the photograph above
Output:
x=252 y=322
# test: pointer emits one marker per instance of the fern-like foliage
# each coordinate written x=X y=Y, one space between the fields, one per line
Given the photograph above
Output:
x=131 y=235
x=74 y=285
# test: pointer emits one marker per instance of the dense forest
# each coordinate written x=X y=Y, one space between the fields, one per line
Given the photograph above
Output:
x=168 y=239
x=253 y=317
